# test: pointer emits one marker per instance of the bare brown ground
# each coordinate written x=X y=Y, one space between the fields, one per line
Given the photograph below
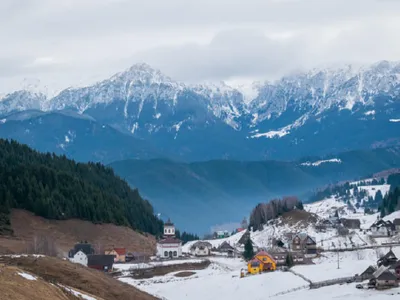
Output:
x=184 y=274
x=295 y=216
x=66 y=233
x=163 y=270
x=15 y=287
x=58 y=271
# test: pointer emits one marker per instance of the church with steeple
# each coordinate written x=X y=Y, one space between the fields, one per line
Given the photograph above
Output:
x=169 y=246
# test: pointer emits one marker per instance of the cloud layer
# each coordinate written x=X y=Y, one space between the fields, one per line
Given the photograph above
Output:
x=73 y=42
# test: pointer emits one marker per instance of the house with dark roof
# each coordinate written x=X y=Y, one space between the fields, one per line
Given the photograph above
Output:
x=386 y=280
x=367 y=274
x=102 y=262
x=226 y=248
x=396 y=223
x=305 y=243
x=201 y=248
x=388 y=259
x=351 y=223
x=383 y=228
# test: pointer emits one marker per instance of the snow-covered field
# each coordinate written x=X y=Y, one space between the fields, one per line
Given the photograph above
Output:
x=350 y=263
x=221 y=280
x=346 y=291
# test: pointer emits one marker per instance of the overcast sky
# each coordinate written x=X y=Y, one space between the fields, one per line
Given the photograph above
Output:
x=77 y=42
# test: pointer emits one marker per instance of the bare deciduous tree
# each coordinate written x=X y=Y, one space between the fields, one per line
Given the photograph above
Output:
x=43 y=244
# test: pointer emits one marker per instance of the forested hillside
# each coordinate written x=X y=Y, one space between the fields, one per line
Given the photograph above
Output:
x=55 y=187
x=391 y=201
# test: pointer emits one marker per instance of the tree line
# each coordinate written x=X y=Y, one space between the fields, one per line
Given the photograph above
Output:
x=264 y=212
x=186 y=237
x=391 y=201
x=55 y=187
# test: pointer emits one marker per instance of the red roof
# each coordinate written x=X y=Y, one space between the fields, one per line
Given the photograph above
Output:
x=239 y=229
x=120 y=251
x=170 y=240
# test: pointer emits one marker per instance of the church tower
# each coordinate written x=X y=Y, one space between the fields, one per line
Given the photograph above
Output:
x=169 y=229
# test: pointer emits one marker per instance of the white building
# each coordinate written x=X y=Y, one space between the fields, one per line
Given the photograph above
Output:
x=79 y=258
x=201 y=249
x=169 y=246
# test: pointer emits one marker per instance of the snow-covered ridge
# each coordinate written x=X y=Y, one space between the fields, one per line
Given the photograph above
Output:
x=394 y=120
x=318 y=163
x=311 y=92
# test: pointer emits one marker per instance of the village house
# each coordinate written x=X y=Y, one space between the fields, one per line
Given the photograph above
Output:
x=304 y=243
x=366 y=275
x=382 y=228
x=201 y=248
x=384 y=279
x=351 y=223
x=80 y=253
x=101 y=262
x=387 y=260
x=119 y=254
x=262 y=262
x=254 y=266
x=169 y=246
x=225 y=247
x=79 y=258
x=280 y=257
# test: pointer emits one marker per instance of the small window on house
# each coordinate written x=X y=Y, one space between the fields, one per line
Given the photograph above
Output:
x=165 y=253
x=264 y=259
x=175 y=253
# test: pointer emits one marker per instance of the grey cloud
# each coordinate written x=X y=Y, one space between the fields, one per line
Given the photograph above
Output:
x=191 y=40
x=243 y=53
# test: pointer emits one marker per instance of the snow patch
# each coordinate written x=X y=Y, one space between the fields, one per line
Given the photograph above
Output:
x=370 y=113
x=76 y=293
x=2 y=121
x=394 y=120
x=272 y=134
x=27 y=276
x=317 y=163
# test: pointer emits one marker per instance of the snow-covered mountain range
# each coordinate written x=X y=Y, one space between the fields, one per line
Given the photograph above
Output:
x=263 y=120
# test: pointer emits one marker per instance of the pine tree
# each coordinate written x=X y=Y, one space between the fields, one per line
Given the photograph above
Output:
x=289 y=260
x=378 y=197
x=248 y=250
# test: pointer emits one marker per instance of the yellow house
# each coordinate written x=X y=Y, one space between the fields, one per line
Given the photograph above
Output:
x=267 y=262
x=254 y=266
x=119 y=254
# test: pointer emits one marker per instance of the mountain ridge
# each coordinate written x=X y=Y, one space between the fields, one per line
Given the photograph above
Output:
x=316 y=112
